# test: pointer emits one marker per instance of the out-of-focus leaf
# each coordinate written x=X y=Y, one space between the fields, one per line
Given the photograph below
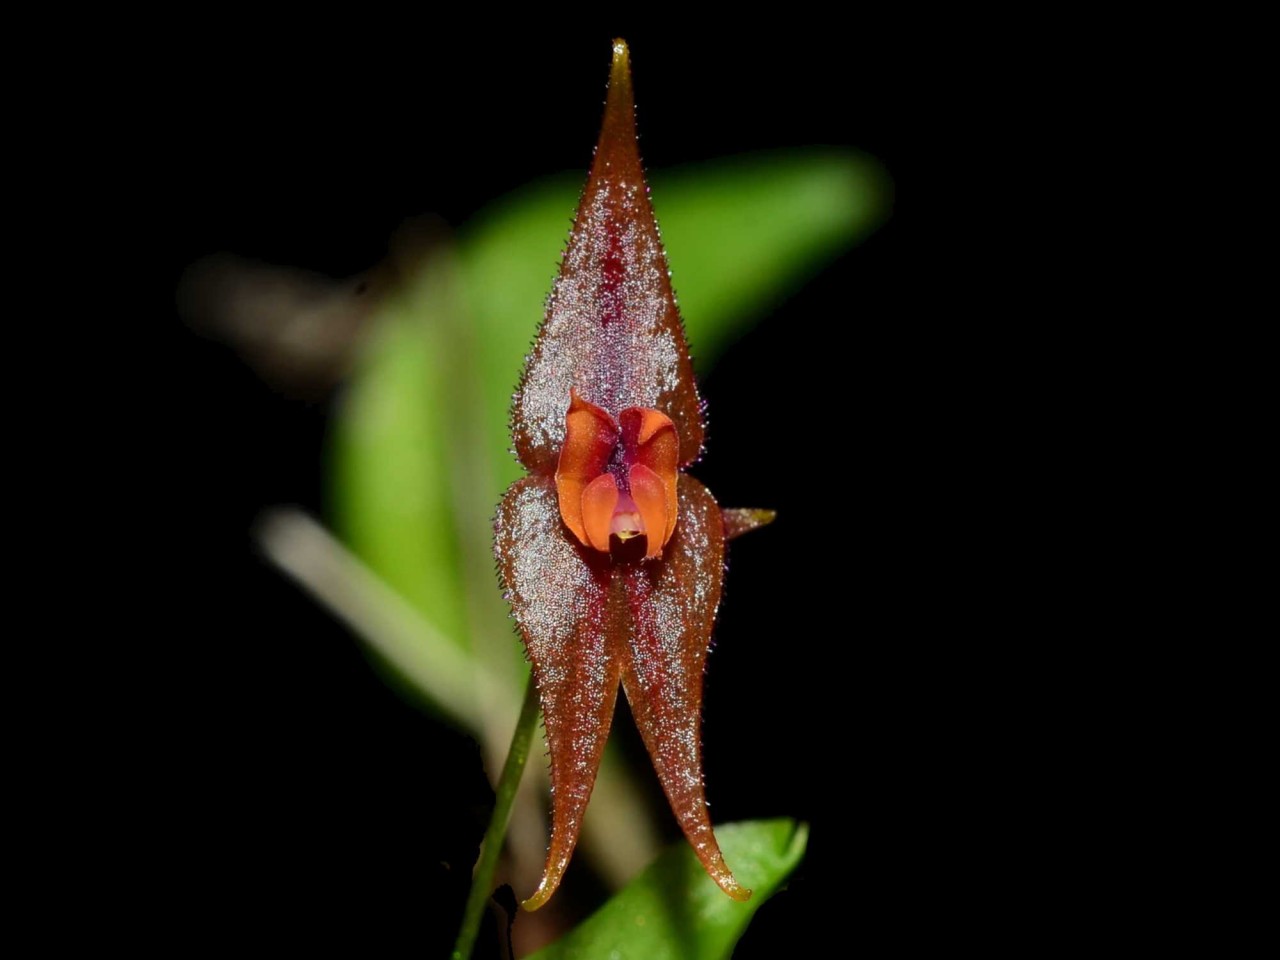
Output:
x=674 y=911
x=390 y=460
x=429 y=661
x=743 y=232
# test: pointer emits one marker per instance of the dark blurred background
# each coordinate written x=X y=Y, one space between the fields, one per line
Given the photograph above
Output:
x=310 y=805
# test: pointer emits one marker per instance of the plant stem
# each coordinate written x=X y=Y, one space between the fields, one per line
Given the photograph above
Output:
x=504 y=798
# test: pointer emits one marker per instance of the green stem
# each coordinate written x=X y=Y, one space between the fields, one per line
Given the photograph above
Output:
x=504 y=799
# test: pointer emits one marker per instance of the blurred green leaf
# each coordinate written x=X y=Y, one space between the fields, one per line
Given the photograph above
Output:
x=741 y=233
x=390 y=485
x=674 y=911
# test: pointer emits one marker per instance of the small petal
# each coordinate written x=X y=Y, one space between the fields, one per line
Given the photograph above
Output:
x=651 y=441
x=742 y=520
x=612 y=331
x=599 y=501
x=673 y=605
x=651 y=501
x=568 y=612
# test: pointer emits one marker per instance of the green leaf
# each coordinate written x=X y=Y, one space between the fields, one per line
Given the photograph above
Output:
x=674 y=911
x=743 y=232
x=390 y=485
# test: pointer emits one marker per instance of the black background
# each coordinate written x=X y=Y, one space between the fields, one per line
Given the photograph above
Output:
x=855 y=682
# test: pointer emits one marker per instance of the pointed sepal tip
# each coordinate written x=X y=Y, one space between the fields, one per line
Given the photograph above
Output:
x=741 y=520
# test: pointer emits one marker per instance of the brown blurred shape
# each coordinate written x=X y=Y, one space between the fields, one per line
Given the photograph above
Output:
x=297 y=329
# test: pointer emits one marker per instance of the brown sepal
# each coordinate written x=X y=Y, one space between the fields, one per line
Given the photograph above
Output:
x=612 y=331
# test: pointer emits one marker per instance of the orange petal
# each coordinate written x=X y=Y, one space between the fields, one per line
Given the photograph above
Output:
x=599 y=499
x=651 y=500
x=651 y=423
x=590 y=436
x=652 y=442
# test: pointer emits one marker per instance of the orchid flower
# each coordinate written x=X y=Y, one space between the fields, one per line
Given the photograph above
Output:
x=611 y=557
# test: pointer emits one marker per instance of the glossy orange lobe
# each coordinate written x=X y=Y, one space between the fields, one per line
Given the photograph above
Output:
x=617 y=478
